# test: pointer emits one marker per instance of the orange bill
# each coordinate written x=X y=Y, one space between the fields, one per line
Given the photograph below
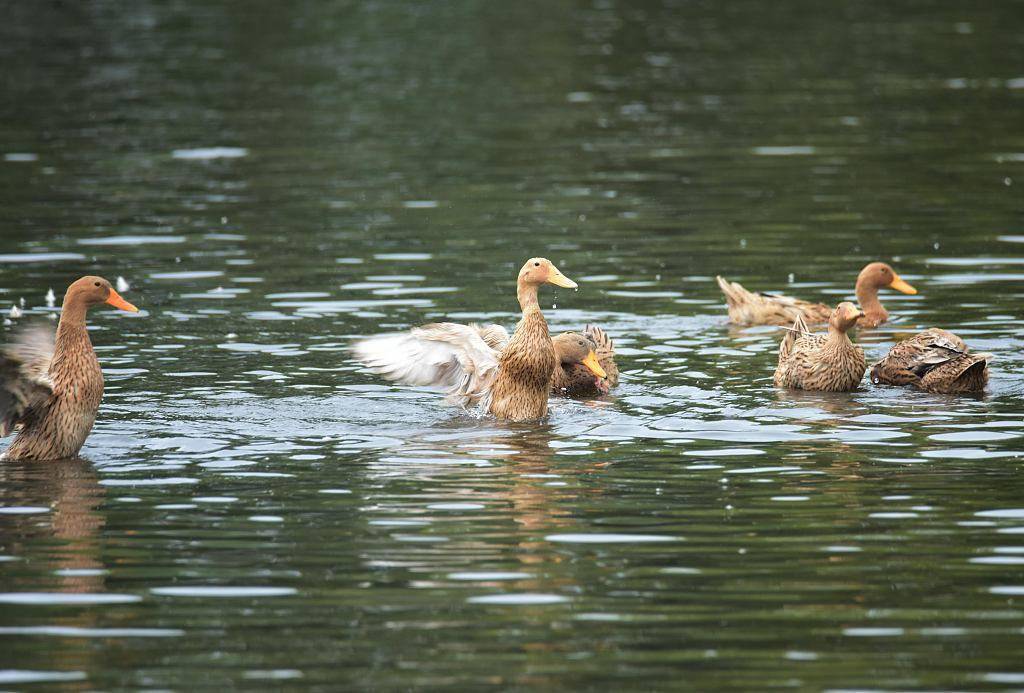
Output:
x=901 y=285
x=115 y=300
x=595 y=367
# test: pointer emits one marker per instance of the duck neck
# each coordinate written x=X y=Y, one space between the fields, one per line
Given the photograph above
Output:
x=867 y=299
x=527 y=295
x=838 y=339
x=71 y=331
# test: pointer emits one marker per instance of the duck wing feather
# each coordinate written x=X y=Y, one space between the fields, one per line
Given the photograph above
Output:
x=25 y=384
x=447 y=355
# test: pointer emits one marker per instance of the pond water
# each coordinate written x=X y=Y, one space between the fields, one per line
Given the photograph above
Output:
x=254 y=510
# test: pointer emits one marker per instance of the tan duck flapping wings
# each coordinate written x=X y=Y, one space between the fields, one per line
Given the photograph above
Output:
x=824 y=362
x=752 y=308
x=934 y=360
x=515 y=389
x=51 y=384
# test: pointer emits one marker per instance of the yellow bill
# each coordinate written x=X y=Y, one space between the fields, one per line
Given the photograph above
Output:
x=595 y=367
x=902 y=286
x=556 y=277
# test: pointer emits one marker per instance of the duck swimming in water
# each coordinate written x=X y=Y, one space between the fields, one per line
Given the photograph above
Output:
x=825 y=362
x=935 y=361
x=749 y=308
x=512 y=383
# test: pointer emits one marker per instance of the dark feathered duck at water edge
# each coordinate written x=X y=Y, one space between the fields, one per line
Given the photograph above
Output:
x=51 y=384
x=750 y=308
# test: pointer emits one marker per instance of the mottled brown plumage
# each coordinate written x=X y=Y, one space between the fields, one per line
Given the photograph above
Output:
x=511 y=383
x=575 y=378
x=935 y=361
x=51 y=386
x=749 y=308
x=825 y=362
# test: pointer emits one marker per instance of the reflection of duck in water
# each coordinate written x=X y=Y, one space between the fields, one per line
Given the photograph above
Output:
x=749 y=308
x=935 y=361
x=69 y=488
x=51 y=385
x=511 y=384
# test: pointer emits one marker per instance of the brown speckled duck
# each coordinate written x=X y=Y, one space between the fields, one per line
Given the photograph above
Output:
x=511 y=384
x=935 y=361
x=825 y=362
x=591 y=376
x=51 y=386
x=749 y=308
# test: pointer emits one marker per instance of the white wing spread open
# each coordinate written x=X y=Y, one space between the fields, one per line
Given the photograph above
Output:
x=445 y=354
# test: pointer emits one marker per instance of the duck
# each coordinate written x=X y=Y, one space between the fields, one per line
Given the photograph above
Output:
x=587 y=377
x=749 y=308
x=51 y=383
x=511 y=383
x=822 y=362
x=934 y=360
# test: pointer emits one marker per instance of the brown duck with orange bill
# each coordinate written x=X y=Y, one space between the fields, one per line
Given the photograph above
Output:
x=51 y=386
x=935 y=361
x=511 y=383
x=592 y=375
x=824 y=362
x=749 y=308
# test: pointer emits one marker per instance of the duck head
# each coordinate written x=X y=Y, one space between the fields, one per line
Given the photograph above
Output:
x=539 y=270
x=572 y=348
x=879 y=275
x=845 y=316
x=93 y=291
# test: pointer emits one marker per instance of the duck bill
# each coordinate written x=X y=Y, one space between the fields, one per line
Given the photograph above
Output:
x=556 y=277
x=902 y=286
x=595 y=367
x=115 y=300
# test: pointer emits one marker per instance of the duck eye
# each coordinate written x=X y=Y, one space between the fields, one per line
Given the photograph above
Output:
x=536 y=264
x=97 y=283
x=581 y=343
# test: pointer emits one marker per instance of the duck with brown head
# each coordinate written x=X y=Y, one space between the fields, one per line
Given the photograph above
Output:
x=51 y=385
x=477 y=369
x=585 y=366
x=750 y=308
x=871 y=279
